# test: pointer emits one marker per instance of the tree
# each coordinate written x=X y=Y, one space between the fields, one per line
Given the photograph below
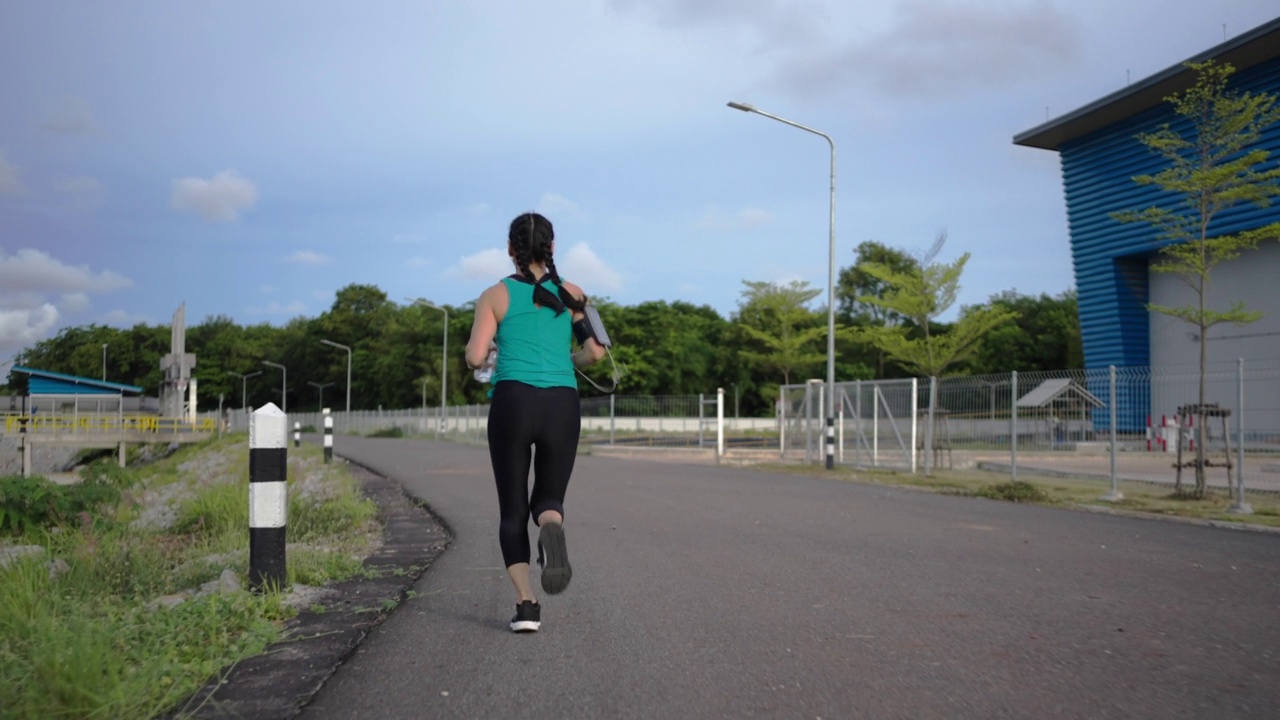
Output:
x=921 y=294
x=1045 y=335
x=782 y=330
x=855 y=284
x=1216 y=168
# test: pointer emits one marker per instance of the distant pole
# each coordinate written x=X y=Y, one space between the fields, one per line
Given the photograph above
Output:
x=320 y=387
x=297 y=434
x=444 y=355
x=244 y=385
x=268 y=500
x=328 y=437
x=340 y=346
x=284 y=384
x=104 y=362
x=831 y=279
x=1115 y=493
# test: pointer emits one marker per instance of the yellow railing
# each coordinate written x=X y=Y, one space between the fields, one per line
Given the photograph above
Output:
x=104 y=423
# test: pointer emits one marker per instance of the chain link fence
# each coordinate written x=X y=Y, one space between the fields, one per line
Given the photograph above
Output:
x=1113 y=424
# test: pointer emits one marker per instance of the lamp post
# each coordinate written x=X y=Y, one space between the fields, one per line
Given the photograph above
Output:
x=244 y=384
x=831 y=279
x=444 y=356
x=340 y=346
x=104 y=362
x=284 y=385
x=320 y=387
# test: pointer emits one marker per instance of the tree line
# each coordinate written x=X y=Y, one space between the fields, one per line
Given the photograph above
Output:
x=775 y=336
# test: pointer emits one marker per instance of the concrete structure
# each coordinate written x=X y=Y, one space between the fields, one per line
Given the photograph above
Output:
x=1100 y=155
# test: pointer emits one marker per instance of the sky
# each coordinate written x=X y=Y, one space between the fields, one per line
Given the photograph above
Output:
x=250 y=159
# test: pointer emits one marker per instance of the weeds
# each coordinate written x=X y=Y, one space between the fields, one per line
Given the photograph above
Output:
x=94 y=638
x=1015 y=491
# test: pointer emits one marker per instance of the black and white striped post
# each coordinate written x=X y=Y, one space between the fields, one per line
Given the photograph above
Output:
x=297 y=434
x=328 y=437
x=268 y=501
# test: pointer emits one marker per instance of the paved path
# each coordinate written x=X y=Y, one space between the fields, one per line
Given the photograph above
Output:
x=712 y=592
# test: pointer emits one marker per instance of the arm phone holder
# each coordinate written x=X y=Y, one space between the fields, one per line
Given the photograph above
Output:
x=591 y=327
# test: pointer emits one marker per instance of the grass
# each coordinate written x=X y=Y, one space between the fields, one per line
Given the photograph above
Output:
x=81 y=633
x=1062 y=492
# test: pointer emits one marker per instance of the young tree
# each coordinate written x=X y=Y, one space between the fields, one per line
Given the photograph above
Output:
x=783 y=330
x=921 y=294
x=855 y=283
x=1216 y=168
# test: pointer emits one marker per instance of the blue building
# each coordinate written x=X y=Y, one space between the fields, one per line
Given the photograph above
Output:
x=1100 y=155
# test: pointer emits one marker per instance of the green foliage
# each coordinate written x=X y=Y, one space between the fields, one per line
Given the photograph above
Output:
x=35 y=502
x=1044 y=335
x=783 y=334
x=389 y=432
x=1015 y=491
x=921 y=294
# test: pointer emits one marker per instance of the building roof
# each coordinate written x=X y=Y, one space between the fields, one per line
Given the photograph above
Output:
x=1050 y=391
x=1243 y=51
x=47 y=382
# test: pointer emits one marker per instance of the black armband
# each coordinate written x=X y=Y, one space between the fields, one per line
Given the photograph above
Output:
x=591 y=327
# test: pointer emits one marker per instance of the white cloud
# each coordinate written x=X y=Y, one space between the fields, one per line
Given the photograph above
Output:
x=484 y=265
x=31 y=270
x=81 y=192
x=74 y=302
x=295 y=308
x=22 y=327
x=120 y=318
x=582 y=266
x=218 y=199
x=69 y=115
x=933 y=49
x=716 y=219
x=308 y=257
x=10 y=177
x=30 y=280
x=556 y=208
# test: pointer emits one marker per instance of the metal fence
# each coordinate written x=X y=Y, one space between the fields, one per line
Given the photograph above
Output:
x=1107 y=423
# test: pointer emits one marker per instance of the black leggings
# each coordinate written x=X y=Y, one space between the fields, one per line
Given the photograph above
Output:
x=523 y=417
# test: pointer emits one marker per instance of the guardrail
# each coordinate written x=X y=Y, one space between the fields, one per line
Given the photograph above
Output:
x=105 y=424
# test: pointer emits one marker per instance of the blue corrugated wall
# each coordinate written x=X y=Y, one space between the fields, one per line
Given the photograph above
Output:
x=1111 y=258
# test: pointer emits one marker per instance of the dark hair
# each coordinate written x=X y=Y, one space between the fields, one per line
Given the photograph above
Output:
x=529 y=241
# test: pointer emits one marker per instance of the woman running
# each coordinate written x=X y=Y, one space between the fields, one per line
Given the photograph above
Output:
x=527 y=320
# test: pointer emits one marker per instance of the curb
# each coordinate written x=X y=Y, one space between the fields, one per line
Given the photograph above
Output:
x=278 y=683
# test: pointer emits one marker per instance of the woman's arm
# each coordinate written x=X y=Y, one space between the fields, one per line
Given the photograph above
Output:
x=591 y=351
x=483 y=330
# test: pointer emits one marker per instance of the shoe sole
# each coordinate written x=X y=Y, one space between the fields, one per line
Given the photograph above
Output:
x=525 y=626
x=556 y=572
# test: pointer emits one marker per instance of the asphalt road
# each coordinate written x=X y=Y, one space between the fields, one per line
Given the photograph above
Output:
x=710 y=592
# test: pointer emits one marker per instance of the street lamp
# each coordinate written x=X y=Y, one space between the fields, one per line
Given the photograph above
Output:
x=444 y=356
x=320 y=387
x=104 y=362
x=284 y=384
x=831 y=281
x=340 y=346
x=244 y=384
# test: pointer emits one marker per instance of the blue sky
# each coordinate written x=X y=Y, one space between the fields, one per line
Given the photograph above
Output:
x=249 y=159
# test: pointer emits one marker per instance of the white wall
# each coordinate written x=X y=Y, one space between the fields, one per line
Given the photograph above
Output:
x=1253 y=278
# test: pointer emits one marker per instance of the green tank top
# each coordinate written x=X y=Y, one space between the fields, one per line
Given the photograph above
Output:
x=533 y=342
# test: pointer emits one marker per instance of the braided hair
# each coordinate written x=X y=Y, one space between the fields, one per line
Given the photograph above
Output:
x=529 y=240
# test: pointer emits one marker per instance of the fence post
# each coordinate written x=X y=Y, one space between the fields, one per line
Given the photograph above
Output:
x=611 y=417
x=928 y=429
x=1240 y=507
x=297 y=433
x=719 y=422
x=915 y=415
x=857 y=421
x=782 y=422
x=328 y=437
x=1115 y=493
x=1013 y=429
x=268 y=502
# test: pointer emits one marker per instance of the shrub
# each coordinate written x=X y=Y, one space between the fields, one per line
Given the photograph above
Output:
x=1016 y=491
x=391 y=432
x=30 y=503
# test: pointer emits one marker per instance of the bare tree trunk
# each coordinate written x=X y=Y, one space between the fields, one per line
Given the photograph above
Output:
x=1204 y=363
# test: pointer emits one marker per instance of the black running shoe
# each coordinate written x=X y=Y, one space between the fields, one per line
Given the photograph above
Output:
x=528 y=617
x=553 y=556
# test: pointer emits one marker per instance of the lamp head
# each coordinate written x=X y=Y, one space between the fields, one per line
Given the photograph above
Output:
x=742 y=106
